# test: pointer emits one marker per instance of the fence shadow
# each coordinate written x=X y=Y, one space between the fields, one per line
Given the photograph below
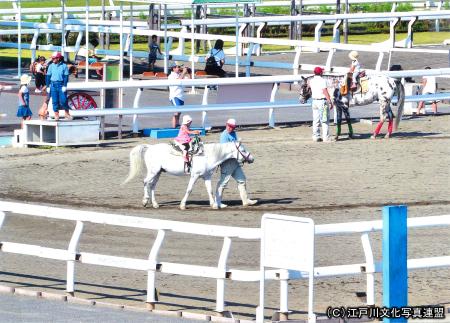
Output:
x=38 y=283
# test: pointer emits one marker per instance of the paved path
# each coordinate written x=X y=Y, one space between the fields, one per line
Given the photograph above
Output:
x=15 y=309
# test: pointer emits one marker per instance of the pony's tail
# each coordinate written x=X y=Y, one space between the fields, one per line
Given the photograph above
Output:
x=400 y=103
x=136 y=162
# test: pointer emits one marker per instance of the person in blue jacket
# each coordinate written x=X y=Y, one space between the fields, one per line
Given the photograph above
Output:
x=232 y=168
x=56 y=80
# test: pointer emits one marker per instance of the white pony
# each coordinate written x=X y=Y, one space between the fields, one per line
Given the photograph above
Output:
x=160 y=158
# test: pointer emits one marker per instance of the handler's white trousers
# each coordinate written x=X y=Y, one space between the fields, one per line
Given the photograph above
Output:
x=321 y=117
x=231 y=168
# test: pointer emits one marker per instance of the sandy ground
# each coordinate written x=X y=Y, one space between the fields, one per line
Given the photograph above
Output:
x=344 y=181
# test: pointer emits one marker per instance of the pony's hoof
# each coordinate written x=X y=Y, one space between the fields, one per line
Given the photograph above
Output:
x=182 y=207
x=156 y=206
x=145 y=202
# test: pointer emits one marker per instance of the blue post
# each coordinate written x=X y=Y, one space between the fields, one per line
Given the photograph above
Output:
x=395 y=270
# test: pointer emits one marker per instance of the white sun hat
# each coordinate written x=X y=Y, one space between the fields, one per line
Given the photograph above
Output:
x=25 y=79
x=353 y=55
x=186 y=119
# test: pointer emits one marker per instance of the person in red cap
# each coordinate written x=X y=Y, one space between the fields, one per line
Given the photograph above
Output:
x=57 y=79
x=321 y=105
x=232 y=168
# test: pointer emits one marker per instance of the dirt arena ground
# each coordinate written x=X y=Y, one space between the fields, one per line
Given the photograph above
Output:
x=343 y=181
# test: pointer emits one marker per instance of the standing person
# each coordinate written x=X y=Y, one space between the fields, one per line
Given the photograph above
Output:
x=153 y=50
x=321 y=105
x=176 y=92
x=215 y=60
x=24 y=111
x=57 y=79
x=232 y=168
x=184 y=140
x=39 y=76
x=355 y=68
x=428 y=87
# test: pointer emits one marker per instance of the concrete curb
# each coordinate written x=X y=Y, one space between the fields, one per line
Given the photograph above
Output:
x=82 y=301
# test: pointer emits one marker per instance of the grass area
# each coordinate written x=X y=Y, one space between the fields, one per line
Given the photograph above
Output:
x=52 y=4
x=420 y=38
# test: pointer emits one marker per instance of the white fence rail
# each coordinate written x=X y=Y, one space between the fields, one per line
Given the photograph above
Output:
x=152 y=265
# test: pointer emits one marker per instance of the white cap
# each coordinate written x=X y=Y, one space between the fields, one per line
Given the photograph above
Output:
x=231 y=122
x=186 y=119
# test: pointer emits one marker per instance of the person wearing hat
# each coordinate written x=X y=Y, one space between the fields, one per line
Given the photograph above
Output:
x=176 y=92
x=57 y=79
x=24 y=111
x=321 y=105
x=232 y=168
x=355 y=68
x=183 y=140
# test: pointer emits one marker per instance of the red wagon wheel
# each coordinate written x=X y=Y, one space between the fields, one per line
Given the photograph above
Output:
x=81 y=101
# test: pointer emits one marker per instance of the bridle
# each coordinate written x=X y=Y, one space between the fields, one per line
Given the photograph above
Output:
x=238 y=145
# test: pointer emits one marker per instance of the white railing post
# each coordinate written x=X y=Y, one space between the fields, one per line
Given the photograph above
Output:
x=136 y=106
x=284 y=292
x=296 y=64
x=271 y=111
x=222 y=266
x=410 y=37
x=370 y=269
x=2 y=218
x=73 y=244
x=336 y=33
x=248 y=61
x=151 y=273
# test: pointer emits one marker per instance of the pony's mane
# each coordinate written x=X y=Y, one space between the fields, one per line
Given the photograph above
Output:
x=214 y=150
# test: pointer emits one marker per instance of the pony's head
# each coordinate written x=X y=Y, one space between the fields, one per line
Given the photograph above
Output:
x=305 y=90
x=242 y=154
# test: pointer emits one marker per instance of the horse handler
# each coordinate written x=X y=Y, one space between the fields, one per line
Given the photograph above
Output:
x=321 y=105
x=57 y=79
x=231 y=168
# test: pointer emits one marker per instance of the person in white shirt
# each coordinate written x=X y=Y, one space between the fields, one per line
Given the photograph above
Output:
x=176 y=92
x=321 y=105
x=428 y=87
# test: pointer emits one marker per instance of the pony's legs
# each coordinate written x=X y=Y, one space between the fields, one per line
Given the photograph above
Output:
x=188 y=191
x=377 y=129
x=390 y=126
x=209 y=190
x=149 y=189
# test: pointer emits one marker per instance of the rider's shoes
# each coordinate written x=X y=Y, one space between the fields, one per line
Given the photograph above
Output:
x=350 y=136
x=373 y=137
x=387 y=136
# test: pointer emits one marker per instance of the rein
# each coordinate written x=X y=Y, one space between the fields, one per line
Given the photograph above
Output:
x=240 y=152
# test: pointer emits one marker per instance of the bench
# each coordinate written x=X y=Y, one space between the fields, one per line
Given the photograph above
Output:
x=60 y=133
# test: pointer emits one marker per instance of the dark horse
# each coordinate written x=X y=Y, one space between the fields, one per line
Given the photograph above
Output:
x=380 y=87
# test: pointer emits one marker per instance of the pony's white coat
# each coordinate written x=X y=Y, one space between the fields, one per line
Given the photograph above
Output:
x=159 y=158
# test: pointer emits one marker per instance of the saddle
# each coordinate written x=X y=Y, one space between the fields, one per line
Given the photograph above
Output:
x=195 y=148
x=362 y=83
